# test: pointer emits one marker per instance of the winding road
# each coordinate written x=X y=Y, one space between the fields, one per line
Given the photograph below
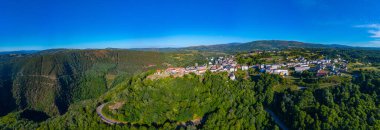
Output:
x=104 y=118
x=196 y=122
x=113 y=121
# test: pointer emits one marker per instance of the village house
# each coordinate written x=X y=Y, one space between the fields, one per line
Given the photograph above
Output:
x=244 y=67
x=321 y=73
x=214 y=68
x=281 y=72
x=301 y=69
x=201 y=69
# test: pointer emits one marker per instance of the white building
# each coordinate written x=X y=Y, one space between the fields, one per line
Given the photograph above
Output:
x=274 y=67
x=262 y=66
x=244 y=67
x=281 y=72
x=301 y=69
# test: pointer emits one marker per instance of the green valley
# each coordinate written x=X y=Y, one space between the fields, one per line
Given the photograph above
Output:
x=191 y=89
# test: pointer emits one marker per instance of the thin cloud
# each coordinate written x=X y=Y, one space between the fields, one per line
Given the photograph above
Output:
x=368 y=26
x=374 y=31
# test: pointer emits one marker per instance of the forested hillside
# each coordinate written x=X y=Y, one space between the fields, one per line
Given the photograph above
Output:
x=64 y=90
x=213 y=101
x=350 y=105
x=50 y=80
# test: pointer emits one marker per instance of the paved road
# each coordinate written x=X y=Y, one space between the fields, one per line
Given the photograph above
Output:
x=277 y=120
x=105 y=119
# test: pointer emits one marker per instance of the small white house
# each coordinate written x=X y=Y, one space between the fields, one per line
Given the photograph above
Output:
x=274 y=67
x=244 y=67
x=262 y=66
x=301 y=69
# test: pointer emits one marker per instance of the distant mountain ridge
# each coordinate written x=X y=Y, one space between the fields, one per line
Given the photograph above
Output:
x=228 y=47
x=254 y=45
x=273 y=44
x=19 y=52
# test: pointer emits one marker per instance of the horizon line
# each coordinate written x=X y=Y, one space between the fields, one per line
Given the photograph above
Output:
x=131 y=48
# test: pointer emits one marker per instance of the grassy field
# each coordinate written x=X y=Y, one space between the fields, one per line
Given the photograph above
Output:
x=357 y=66
x=280 y=88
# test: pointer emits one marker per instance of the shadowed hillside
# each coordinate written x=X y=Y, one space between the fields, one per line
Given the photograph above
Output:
x=50 y=80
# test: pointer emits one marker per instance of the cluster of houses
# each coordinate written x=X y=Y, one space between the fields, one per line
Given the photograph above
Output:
x=224 y=64
x=273 y=69
x=322 y=67
x=180 y=71
x=219 y=64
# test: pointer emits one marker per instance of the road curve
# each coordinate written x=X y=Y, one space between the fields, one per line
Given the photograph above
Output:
x=112 y=121
x=104 y=118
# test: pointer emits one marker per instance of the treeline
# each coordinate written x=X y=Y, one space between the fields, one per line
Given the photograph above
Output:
x=351 y=55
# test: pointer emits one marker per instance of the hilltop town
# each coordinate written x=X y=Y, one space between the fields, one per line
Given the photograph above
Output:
x=321 y=67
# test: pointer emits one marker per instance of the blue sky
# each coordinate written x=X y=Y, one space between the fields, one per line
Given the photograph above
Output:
x=44 y=24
